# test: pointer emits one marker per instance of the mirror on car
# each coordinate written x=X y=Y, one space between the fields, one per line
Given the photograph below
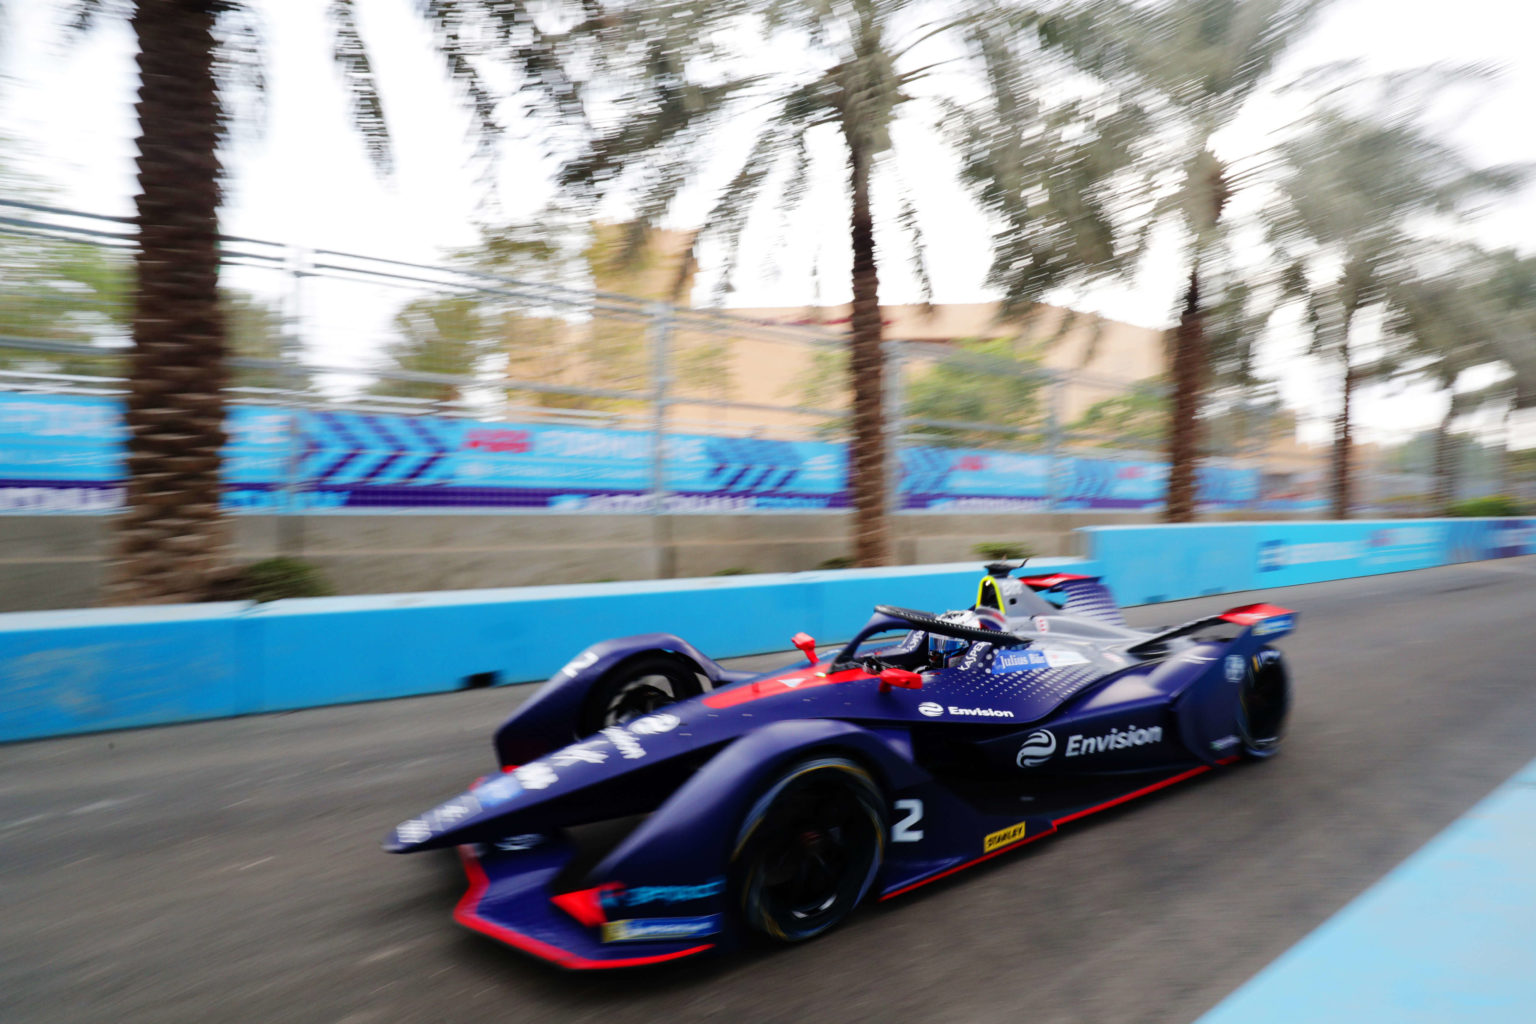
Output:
x=807 y=645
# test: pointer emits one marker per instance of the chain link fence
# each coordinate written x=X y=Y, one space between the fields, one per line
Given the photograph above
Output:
x=365 y=384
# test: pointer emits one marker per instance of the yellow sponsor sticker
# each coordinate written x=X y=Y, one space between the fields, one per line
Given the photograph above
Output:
x=1011 y=834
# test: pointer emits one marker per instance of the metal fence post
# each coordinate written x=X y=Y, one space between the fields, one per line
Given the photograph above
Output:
x=661 y=341
x=895 y=422
x=1053 y=440
x=290 y=536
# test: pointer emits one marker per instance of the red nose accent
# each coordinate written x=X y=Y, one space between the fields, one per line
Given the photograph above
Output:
x=585 y=905
x=807 y=645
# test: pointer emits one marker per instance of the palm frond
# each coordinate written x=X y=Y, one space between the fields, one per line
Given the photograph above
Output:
x=351 y=57
x=728 y=217
x=241 y=66
x=82 y=15
x=458 y=34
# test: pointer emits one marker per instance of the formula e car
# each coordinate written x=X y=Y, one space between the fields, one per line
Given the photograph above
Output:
x=653 y=805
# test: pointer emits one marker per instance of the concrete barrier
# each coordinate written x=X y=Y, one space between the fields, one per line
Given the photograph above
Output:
x=1148 y=564
x=84 y=671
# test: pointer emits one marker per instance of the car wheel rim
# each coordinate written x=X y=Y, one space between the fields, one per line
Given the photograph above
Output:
x=818 y=850
x=638 y=698
x=1264 y=701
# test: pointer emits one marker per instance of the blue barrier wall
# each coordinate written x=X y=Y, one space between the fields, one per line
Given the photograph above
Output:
x=83 y=671
x=1147 y=564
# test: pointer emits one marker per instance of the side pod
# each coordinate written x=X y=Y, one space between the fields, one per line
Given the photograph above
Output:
x=704 y=815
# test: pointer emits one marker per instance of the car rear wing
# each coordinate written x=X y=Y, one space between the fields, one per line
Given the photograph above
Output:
x=1262 y=620
x=1084 y=595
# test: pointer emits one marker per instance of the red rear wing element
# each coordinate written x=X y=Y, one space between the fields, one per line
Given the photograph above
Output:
x=1056 y=580
x=1252 y=614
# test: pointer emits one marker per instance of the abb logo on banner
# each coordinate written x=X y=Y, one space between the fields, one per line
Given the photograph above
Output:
x=515 y=441
x=971 y=464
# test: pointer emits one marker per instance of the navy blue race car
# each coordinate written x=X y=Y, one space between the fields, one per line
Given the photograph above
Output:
x=653 y=805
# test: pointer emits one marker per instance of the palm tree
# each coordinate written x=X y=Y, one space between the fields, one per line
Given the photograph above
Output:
x=1509 y=291
x=1446 y=329
x=856 y=67
x=193 y=56
x=1191 y=65
x=1356 y=191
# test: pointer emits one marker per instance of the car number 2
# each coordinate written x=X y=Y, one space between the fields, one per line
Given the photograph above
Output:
x=906 y=830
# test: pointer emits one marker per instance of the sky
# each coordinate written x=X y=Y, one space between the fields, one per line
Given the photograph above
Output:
x=67 y=109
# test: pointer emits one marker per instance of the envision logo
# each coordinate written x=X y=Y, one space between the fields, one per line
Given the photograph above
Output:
x=1115 y=739
x=1037 y=749
x=930 y=709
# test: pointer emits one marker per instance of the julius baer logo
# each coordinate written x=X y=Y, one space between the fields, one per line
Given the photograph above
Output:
x=1040 y=745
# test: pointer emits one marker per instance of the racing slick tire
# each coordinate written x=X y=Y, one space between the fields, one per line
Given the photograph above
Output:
x=809 y=849
x=1263 y=702
x=636 y=687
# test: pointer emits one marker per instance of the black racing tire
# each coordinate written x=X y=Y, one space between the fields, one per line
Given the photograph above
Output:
x=636 y=687
x=1263 y=703
x=809 y=849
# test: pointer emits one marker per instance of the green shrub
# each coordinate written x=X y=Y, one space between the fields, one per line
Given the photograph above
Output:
x=994 y=551
x=837 y=562
x=735 y=570
x=1489 y=505
x=273 y=579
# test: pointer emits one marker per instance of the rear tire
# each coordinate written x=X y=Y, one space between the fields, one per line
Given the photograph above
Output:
x=1263 y=703
x=809 y=850
x=636 y=687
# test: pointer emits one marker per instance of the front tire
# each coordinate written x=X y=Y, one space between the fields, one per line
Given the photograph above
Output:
x=635 y=688
x=1263 y=703
x=809 y=850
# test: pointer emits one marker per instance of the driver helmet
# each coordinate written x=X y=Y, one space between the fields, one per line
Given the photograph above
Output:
x=941 y=648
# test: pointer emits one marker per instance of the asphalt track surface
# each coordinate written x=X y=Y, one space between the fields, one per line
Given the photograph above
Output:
x=229 y=871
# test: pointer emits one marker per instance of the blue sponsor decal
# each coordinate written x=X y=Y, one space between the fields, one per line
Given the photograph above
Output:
x=1271 y=555
x=656 y=928
x=1019 y=659
x=1278 y=624
x=498 y=791
x=640 y=895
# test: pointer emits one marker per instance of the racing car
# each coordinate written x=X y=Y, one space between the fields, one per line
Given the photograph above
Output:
x=653 y=805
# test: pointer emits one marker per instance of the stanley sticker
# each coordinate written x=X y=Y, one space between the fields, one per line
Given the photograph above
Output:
x=997 y=840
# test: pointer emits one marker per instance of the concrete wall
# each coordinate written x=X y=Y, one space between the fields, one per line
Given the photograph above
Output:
x=117 y=668
x=84 y=670
x=57 y=561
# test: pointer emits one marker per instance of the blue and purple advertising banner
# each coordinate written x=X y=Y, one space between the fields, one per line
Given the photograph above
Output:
x=63 y=454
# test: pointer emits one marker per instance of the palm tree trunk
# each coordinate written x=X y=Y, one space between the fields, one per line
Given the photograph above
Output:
x=1445 y=463
x=872 y=539
x=170 y=541
x=1184 y=425
x=1343 y=440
